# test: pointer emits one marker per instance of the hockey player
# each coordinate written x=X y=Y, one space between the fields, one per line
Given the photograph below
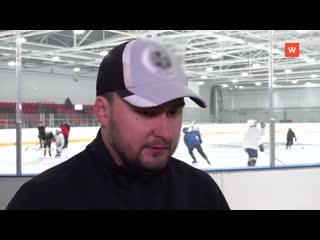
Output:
x=41 y=135
x=192 y=140
x=48 y=138
x=290 y=136
x=59 y=139
x=252 y=140
x=65 y=129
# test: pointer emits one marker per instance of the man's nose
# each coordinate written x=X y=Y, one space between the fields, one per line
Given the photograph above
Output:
x=162 y=127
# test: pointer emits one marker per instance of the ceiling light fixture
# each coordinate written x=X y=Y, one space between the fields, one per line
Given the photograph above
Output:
x=103 y=53
x=79 y=31
x=12 y=63
x=56 y=58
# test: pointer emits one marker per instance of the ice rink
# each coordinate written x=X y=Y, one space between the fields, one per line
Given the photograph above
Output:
x=224 y=151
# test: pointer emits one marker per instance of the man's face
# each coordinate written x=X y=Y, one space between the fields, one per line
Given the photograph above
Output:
x=144 y=137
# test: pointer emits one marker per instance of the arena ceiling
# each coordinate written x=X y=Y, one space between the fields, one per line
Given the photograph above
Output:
x=229 y=58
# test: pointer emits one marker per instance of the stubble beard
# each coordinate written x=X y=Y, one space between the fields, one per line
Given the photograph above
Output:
x=127 y=153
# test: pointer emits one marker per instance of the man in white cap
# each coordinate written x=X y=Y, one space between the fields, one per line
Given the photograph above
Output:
x=139 y=105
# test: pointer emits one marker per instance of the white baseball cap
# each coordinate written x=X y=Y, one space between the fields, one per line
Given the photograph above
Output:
x=145 y=74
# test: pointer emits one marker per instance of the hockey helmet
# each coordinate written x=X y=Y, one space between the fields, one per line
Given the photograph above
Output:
x=251 y=122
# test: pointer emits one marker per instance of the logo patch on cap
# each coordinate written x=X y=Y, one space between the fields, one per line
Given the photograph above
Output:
x=158 y=61
x=161 y=60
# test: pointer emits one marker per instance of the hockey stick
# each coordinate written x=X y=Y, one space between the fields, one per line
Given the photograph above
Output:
x=32 y=146
x=275 y=158
x=302 y=147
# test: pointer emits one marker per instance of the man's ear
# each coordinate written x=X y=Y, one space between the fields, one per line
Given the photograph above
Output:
x=102 y=110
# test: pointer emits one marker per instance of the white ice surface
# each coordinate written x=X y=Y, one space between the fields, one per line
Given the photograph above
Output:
x=223 y=150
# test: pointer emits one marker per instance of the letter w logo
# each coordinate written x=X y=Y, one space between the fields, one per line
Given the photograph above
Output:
x=292 y=49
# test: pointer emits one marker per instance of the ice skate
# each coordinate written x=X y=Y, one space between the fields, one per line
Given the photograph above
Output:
x=252 y=162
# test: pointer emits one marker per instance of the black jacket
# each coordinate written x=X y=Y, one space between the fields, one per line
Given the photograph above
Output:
x=92 y=180
x=291 y=136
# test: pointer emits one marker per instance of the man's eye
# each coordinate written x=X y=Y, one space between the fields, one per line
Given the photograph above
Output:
x=174 y=112
x=147 y=113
